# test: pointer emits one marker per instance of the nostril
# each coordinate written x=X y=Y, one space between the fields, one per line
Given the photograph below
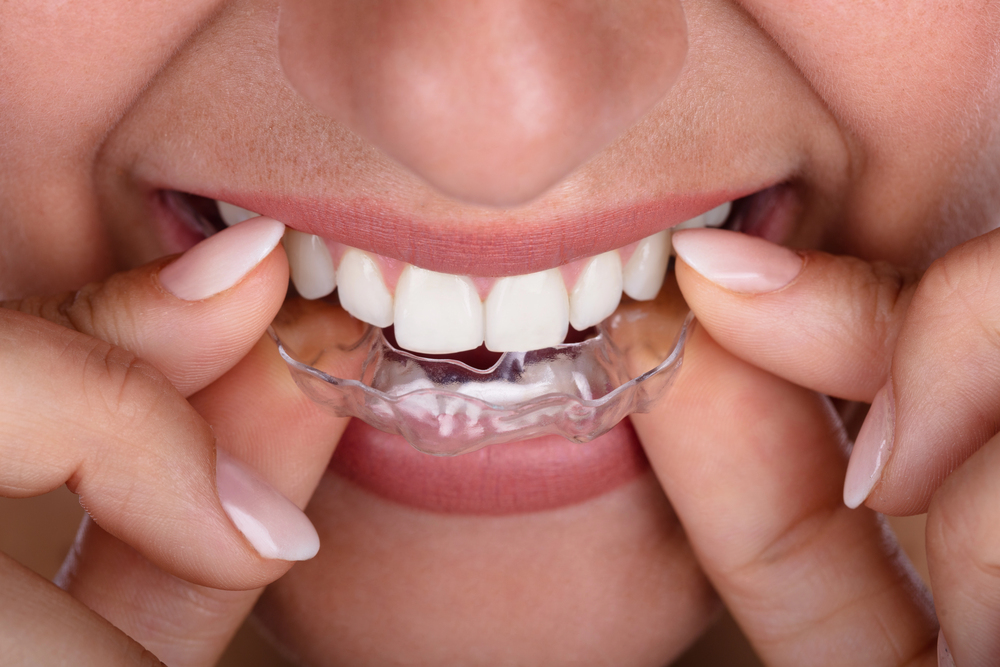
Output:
x=490 y=101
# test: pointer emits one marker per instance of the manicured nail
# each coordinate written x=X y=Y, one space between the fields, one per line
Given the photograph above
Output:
x=735 y=261
x=871 y=449
x=271 y=522
x=221 y=260
x=945 y=658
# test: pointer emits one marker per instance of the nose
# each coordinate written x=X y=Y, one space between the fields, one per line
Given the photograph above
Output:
x=490 y=101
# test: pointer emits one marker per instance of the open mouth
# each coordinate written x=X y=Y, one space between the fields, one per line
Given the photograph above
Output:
x=440 y=313
x=470 y=361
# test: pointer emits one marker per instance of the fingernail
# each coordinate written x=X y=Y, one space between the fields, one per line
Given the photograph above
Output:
x=221 y=260
x=271 y=522
x=735 y=261
x=944 y=653
x=871 y=449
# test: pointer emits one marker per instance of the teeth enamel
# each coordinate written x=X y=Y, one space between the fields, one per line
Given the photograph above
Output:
x=597 y=291
x=437 y=313
x=643 y=274
x=713 y=218
x=718 y=215
x=232 y=214
x=527 y=312
x=362 y=291
x=697 y=222
x=310 y=264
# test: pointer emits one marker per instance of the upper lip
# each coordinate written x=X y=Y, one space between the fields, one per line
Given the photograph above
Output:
x=495 y=243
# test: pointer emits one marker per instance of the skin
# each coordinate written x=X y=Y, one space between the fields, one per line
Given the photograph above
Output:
x=882 y=117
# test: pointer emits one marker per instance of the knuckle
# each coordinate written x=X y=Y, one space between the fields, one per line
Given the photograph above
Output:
x=98 y=309
x=79 y=309
x=127 y=416
x=958 y=533
x=884 y=292
x=209 y=605
x=891 y=287
x=119 y=382
x=51 y=308
x=959 y=289
x=104 y=310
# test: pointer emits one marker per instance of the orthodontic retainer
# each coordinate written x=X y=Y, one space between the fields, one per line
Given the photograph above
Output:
x=445 y=407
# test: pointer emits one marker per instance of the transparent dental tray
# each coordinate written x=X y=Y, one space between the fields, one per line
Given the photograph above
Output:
x=446 y=407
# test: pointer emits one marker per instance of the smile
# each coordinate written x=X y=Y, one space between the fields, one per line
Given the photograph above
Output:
x=544 y=316
x=442 y=313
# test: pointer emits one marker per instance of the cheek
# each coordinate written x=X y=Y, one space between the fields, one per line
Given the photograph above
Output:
x=914 y=86
x=70 y=70
x=891 y=71
x=611 y=577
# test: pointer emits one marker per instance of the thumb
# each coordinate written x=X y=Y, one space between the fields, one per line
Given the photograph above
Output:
x=85 y=408
x=192 y=317
x=823 y=322
x=921 y=349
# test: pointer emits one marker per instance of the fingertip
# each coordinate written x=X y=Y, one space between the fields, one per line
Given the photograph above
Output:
x=222 y=260
x=944 y=656
x=737 y=262
x=270 y=522
x=872 y=449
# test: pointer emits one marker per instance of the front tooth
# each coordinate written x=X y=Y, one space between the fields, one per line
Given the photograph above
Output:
x=597 y=291
x=714 y=218
x=362 y=291
x=437 y=313
x=644 y=272
x=232 y=214
x=718 y=215
x=310 y=264
x=696 y=222
x=528 y=312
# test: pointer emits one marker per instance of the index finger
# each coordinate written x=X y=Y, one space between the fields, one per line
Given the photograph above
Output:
x=260 y=415
x=824 y=322
x=925 y=353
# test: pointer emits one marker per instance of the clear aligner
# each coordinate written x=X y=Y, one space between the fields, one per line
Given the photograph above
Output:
x=446 y=407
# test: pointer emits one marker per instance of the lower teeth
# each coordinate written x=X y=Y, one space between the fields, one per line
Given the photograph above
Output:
x=444 y=407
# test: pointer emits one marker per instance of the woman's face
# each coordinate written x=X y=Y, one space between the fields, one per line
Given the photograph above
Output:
x=558 y=133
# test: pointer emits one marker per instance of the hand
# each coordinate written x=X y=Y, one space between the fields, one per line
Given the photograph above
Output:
x=923 y=350
x=95 y=386
x=754 y=467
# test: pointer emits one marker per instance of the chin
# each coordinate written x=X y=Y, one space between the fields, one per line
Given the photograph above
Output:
x=609 y=580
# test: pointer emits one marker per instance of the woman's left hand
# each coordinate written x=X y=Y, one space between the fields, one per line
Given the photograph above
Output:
x=753 y=466
x=923 y=349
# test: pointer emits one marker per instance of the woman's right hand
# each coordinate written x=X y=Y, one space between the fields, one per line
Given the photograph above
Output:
x=95 y=388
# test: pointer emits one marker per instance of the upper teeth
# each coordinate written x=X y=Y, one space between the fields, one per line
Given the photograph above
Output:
x=310 y=264
x=436 y=313
x=528 y=312
x=231 y=213
x=440 y=313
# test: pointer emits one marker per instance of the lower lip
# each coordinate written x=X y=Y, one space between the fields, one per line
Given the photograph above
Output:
x=515 y=478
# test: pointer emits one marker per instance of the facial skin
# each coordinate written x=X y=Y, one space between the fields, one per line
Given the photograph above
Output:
x=891 y=150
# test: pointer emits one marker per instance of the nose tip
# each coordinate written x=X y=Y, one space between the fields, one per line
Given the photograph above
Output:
x=490 y=101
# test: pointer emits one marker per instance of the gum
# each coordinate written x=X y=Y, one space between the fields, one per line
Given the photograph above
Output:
x=445 y=408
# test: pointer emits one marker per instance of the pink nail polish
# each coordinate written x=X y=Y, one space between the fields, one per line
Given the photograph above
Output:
x=735 y=261
x=945 y=659
x=871 y=449
x=271 y=522
x=221 y=260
